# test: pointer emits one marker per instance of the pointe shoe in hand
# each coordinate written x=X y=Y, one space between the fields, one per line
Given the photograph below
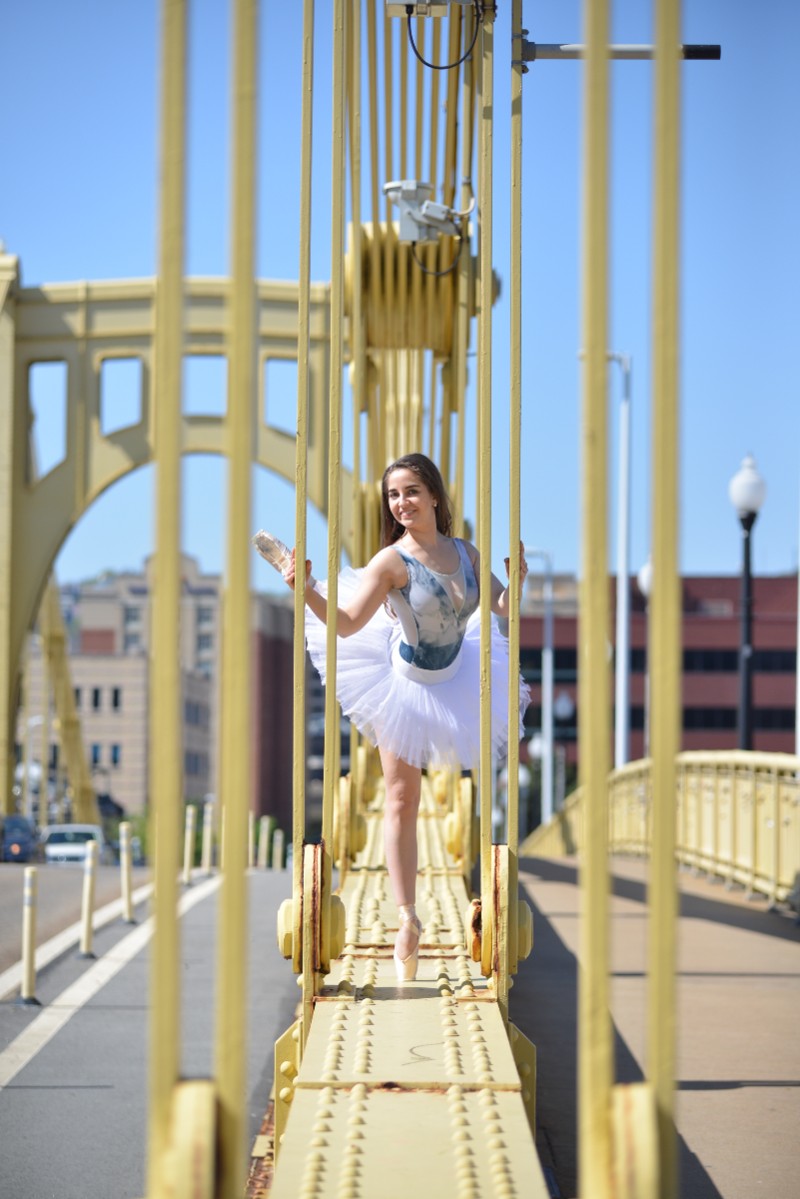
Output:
x=406 y=968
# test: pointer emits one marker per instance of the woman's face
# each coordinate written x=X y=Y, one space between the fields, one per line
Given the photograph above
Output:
x=410 y=502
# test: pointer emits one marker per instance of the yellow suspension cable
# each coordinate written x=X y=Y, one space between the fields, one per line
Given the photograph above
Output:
x=332 y=735
x=486 y=87
x=301 y=461
x=166 y=776
x=515 y=442
x=664 y=656
x=594 y=1028
x=235 y=767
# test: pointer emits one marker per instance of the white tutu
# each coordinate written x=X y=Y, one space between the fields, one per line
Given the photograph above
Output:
x=432 y=723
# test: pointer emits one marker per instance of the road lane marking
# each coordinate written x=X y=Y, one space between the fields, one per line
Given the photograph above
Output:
x=52 y=1019
x=11 y=979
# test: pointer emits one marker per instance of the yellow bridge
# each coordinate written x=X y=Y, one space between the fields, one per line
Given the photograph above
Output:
x=429 y=1089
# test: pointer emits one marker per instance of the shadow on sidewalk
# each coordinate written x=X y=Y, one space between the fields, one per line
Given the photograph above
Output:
x=732 y=911
x=544 y=1007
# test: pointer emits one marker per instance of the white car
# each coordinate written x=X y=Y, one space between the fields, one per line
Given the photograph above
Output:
x=67 y=843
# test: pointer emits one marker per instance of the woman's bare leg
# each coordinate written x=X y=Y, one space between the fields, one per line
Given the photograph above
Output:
x=400 y=836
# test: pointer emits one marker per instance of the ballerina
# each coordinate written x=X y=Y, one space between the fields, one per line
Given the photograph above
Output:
x=408 y=659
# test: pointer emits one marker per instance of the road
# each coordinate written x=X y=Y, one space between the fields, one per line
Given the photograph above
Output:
x=60 y=895
x=74 y=1107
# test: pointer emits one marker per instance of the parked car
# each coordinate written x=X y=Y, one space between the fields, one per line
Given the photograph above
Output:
x=67 y=843
x=20 y=840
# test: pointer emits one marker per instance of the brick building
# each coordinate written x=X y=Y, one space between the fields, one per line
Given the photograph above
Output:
x=108 y=625
x=710 y=641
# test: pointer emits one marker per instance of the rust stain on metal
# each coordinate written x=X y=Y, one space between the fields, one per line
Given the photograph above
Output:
x=259 y=1180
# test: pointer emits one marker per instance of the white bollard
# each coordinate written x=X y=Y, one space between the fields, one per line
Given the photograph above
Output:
x=264 y=833
x=27 y=995
x=125 y=862
x=277 y=849
x=188 y=844
x=251 y=840
x=208 y=836
x=87 y=911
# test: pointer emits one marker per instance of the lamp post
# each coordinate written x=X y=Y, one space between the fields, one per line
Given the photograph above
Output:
x=746 y=491
x=645 y=581
x=547 y=684
x=623 y=665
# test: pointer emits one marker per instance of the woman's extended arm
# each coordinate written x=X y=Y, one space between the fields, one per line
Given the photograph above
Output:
x=501 y=605
x=381 y=574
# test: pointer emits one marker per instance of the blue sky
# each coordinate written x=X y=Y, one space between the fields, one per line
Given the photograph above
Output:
x=80 y=197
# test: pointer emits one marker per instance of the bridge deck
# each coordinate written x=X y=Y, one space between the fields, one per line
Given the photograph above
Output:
x=407 y=1088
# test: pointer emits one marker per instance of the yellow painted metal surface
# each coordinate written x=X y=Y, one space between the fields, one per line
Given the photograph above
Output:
x=85 y=325
x=721 y=830
x=54 y=651
x=236 y=784
x=664 y=624
x=595 y=1064
x=434 y=1052
x=165 y=764
x=361 y=1142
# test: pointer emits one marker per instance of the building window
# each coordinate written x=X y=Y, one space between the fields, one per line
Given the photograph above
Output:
x=133 y=615
x=774 y=720
x=95 y=699
x=205 y=615
x=132 y=642
x=775 y=661
x=77 y=692
x=709 y=718
x=116 y=755
x=710 y=661
x=195 y=763
x=95 y=755
x=205 y=641
x=116 y=698
x=565 y=665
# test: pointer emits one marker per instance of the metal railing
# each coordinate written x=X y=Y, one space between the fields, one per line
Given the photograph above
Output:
x=737 y=818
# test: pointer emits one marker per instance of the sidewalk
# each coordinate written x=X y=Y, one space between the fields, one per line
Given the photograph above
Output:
x=738 y=1001
x=74 y=1116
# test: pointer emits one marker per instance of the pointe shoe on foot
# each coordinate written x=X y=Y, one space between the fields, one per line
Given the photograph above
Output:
x=406 y=968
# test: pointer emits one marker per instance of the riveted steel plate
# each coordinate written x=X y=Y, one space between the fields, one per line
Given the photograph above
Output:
x=371 y=913
x=364 y=1143
x=413 y=1041
x=358 y=974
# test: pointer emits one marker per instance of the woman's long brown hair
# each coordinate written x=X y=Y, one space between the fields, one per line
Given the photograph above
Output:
x=428 y=473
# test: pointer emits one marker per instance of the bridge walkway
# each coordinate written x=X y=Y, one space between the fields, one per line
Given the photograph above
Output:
x=738 y=988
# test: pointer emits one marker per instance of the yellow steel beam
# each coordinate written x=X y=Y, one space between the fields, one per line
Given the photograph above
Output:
x=301 y=461
x=235 y=766
x=594 y=1031
x=514 y=471
x=54 y=653
x=485 y=119
x=13 y=444
x=454 y=31
x=166 y=782
x=665 y=615
x=419 y=99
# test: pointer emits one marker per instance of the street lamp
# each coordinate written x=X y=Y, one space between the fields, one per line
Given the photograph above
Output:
x=645 y=581
x=746 y=491
x=547 y=684
x=623 y=665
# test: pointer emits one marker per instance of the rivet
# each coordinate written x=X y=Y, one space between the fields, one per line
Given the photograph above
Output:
x=286 y=1094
